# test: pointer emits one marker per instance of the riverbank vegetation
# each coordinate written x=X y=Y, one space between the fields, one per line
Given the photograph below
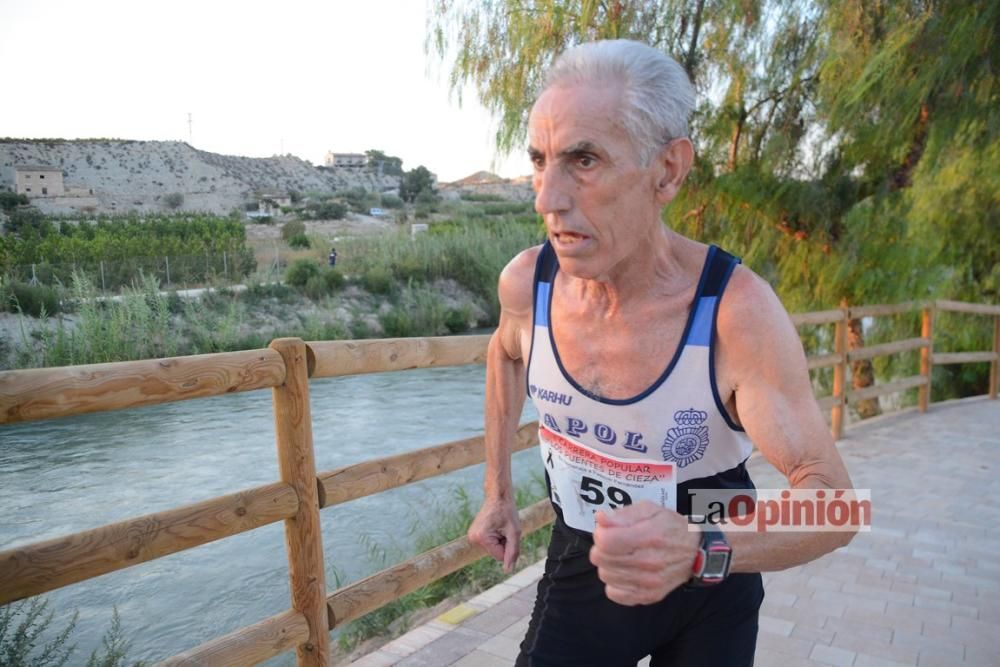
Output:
x=393 y=284
x=27 y=639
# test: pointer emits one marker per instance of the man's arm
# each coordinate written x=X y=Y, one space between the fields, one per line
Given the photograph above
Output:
x=642 y=551
x=769 y=378
x=496 y=527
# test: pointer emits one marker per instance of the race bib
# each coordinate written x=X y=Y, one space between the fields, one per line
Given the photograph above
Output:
x=584 y=481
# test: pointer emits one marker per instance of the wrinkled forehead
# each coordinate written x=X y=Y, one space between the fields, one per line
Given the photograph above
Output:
x=592 y=108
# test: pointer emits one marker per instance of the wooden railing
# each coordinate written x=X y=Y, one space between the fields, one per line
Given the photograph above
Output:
x=302 y=492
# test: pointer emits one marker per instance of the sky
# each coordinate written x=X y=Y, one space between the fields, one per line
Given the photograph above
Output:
x=258 y=78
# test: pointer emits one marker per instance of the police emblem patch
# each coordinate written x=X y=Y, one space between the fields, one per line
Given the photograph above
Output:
x=687 y=441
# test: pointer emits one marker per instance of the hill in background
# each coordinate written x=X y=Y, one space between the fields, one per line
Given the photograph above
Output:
x=126 y=175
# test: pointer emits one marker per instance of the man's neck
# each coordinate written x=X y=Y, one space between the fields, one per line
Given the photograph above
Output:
x=652 y=272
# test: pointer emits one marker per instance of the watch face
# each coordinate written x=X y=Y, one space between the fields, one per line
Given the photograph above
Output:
x=715 y=564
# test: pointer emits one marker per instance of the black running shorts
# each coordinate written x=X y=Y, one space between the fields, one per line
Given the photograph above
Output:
x=574 y=623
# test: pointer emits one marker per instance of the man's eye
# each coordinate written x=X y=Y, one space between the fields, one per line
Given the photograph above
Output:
x=586 y=161
x=538 y=161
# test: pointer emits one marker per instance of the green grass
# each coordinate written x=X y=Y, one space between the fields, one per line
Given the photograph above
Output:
x=22 y=625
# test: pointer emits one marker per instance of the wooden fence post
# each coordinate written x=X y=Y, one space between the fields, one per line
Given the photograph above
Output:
x=304 y=541
x=839 y=374
x=926 y=356
x=995 y=365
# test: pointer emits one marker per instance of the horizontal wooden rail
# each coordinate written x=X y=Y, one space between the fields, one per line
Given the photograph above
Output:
x=44 y=393
x=358 y=599
x=964 y=307
x=364 y=479
x=247 y=646
x=356 y=357
x=896 y=347
x=818 y=317
x=828 y=402
x=945 y=358
x=857 y=312
x=887 y=388
x=824 y=361
x=44 y=566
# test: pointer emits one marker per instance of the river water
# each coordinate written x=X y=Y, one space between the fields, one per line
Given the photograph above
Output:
x=65 y=475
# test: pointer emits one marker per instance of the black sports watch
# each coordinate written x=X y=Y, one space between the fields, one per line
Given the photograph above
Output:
x=711 y=565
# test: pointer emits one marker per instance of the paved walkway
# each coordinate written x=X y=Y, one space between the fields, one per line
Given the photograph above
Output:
x=922 y=588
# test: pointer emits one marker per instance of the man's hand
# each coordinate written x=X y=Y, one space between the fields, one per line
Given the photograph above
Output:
x=642 y=552
x=497 y=529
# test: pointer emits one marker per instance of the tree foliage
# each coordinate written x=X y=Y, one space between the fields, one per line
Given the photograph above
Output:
x=415 y=183
x=846 y=149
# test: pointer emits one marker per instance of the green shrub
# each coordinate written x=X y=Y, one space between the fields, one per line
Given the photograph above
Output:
x=391 y=201
x=301 y=270
x=316 y=287
x=334 y=279
x=174 y=200
x=34 y=300
x=290 y=230
x=9 y=200
x=378 y=280
x=300 y=241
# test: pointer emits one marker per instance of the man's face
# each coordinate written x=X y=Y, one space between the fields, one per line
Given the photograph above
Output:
x=598 y=201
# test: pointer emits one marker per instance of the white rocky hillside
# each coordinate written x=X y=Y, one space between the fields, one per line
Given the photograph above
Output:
x=137 y=175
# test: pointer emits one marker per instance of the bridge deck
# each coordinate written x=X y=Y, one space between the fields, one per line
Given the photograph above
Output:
x=922 y=588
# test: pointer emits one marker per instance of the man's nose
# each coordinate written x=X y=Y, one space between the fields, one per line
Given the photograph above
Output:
x=551 y=194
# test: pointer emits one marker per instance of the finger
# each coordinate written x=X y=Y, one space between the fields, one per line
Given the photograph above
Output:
x=629 y=515
x=510 y=554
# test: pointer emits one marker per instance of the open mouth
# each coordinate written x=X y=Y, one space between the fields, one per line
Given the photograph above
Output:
x=569 y=238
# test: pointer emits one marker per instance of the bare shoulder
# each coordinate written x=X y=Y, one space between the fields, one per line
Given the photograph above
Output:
x=515 y=290
x=754 y=328
x=516 y=283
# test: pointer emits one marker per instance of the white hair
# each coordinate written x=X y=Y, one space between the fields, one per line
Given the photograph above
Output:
x=657 y=96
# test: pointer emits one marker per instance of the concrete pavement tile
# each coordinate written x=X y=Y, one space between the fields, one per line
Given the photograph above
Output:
x=844 y=626
x=783 y=644
x=481 y=659
x=873 y=647
x=499 y=617
x=814 y=635
x=769 y=658
x=414 y=640
x=518 y=629
x=446 y=649
x=457 y=615
x=982 y=657
x=943 y=605
x=829 y=655
x=494 y=595
x=376 y=659
x=777 y=626
x=502 y=647
x=871 y=661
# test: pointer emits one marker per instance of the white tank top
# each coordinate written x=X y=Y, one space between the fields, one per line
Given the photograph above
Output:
x=674 y=436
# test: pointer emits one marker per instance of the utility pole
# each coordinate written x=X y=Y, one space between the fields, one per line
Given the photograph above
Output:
x=190 y=134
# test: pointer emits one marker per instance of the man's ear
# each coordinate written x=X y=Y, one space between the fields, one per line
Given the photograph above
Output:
x=674 y=161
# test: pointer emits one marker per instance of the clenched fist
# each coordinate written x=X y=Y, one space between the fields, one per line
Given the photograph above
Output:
x=643 y=552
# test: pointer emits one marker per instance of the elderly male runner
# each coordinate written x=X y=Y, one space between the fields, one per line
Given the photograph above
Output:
x=640 y=348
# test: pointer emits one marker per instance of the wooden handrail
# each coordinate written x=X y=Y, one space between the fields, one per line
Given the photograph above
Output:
x=44 y=566
x=363 y=479
x=247 y=646
x=966 y=307
x=356 y=357
x=46 y=393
